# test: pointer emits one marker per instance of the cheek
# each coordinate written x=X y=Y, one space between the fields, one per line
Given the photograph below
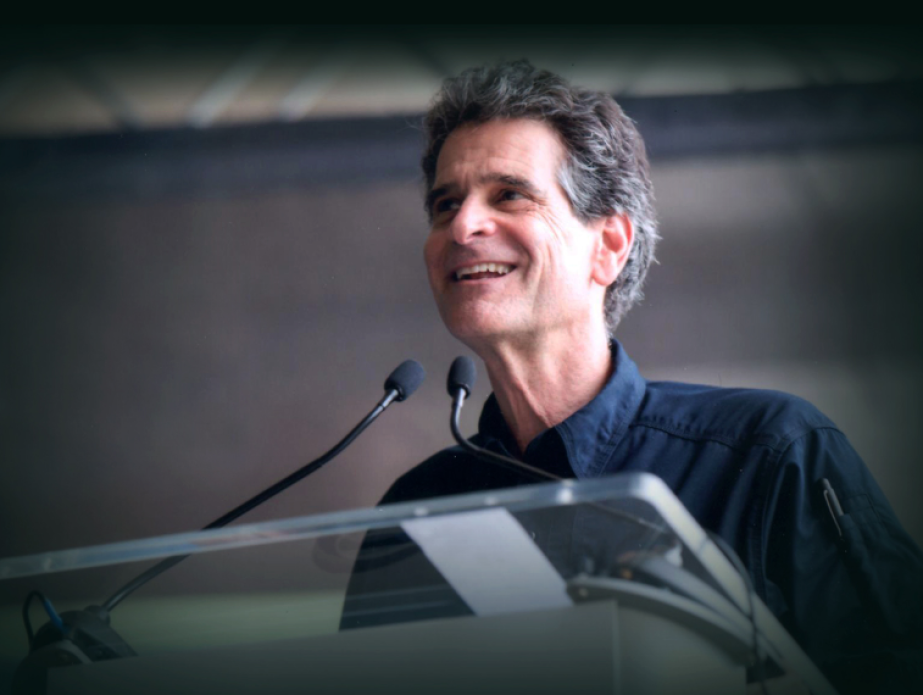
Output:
x=571 y=249
x=556 y=229
x=431 y=257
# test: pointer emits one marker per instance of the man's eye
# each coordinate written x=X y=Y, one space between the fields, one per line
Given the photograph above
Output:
x=445 y=205
x=511 y=194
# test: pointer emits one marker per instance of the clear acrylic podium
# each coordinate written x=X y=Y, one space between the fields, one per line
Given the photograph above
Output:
x=596 y=586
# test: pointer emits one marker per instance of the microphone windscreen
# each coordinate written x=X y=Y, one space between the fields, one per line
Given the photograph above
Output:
x=405 y=379
x=462 y=375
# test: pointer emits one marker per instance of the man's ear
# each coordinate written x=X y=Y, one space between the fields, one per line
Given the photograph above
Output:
x=616 y=237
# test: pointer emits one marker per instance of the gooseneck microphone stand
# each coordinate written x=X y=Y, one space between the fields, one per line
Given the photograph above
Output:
x=398 y=387
x=460 y=382
x=84 y=636
x=462 y=375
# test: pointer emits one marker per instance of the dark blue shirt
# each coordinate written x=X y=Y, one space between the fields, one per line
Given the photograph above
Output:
x=748 y=465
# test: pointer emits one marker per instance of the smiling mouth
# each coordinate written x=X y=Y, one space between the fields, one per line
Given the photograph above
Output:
x=482 y=271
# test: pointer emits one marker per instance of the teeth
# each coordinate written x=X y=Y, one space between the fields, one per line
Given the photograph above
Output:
x=501 y=268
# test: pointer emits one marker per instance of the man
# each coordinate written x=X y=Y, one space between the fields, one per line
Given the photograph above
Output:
x=542 y=232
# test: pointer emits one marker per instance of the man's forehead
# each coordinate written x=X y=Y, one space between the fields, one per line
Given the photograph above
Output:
x=499 y=151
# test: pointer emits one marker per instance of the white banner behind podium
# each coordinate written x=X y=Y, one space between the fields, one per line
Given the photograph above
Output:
x=491 y=561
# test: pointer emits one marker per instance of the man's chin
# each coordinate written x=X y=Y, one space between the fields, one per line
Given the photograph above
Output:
x=471 y=335
x=480 y=335
x=473 y=329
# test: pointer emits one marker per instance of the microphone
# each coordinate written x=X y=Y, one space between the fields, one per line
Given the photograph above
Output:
x=460 y=382
x=399 y=386
x=462 y=375
x=405 y=380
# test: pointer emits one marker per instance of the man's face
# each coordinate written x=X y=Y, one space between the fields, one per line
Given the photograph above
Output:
x=507 y=259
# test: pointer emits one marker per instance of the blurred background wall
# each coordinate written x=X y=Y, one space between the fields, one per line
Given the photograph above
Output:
x=211 y=255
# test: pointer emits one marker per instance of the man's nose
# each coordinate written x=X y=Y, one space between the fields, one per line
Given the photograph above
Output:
x=472 y=220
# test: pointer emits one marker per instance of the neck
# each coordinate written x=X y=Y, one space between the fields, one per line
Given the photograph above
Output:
x=539 y=384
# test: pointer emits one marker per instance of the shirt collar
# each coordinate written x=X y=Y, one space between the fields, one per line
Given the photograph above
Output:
x=589 y=436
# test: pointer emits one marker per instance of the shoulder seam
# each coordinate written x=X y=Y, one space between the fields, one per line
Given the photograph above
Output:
x=755 y=439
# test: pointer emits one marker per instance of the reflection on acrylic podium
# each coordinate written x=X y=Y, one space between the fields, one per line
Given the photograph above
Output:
x=595 y=586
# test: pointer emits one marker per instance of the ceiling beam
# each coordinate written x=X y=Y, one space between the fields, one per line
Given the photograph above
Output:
x=229 y=159
x=222 y=92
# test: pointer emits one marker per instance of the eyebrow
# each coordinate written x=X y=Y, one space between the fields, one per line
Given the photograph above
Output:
x=491 y=177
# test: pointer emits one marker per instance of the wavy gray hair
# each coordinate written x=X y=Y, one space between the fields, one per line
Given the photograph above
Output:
x=606 y=170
